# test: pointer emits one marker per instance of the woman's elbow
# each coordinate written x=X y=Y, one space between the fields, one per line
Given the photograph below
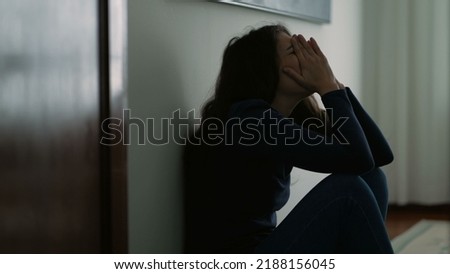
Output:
x=360 y=161
x=385 y=160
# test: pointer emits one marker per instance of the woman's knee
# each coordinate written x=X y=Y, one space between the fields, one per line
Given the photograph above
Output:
x=348 y=185
x=377 y=182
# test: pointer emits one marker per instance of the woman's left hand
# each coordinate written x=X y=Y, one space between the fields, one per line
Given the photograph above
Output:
x=341 y=86
x=316 y=74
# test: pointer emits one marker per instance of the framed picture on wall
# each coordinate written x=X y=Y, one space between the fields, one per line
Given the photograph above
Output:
x=318 y=11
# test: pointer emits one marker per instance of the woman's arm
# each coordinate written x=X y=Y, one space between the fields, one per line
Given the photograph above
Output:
x=381 y=152
x=262 y=131
x=343 y=150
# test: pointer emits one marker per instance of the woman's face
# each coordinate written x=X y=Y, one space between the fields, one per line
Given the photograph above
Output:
x=287 y=58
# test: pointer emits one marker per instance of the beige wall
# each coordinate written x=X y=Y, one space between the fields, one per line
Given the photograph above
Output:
x=175 y=48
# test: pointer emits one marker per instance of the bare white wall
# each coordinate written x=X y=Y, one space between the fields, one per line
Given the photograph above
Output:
x=175 y=47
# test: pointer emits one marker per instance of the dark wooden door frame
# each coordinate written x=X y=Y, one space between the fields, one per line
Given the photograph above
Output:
x=113 y=99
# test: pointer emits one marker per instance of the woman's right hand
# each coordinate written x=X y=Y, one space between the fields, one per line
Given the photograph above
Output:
x=315 y=72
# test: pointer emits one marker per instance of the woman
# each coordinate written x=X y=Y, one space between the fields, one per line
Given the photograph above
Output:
x=239 y=176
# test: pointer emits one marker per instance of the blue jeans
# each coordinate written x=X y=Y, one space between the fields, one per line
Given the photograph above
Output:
x=342 y=214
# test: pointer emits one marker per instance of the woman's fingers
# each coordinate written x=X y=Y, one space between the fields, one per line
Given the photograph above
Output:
x=316 y=47
x=295 y=76
x=309 y=47
x=297 y=49
x=305 y=44
x=292 y=73
x=315 y=72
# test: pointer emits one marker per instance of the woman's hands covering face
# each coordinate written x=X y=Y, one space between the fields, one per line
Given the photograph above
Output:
x=316 y=74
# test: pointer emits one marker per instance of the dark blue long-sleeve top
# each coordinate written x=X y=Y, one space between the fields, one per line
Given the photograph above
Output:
x=237 y=182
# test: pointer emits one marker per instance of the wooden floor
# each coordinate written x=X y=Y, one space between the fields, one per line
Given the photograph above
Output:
x=401 y=218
